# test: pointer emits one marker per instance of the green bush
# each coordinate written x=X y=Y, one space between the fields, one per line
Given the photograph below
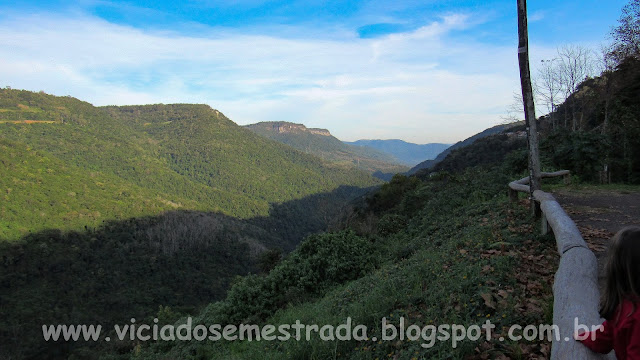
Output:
x=584 y=153
x=319 y=263
x=390 y=194
x=391 y=223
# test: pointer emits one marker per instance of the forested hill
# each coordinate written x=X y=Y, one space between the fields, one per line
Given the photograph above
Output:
x=382 y=262
x=82 y=164
x=108 y=213
x=428 y=164
x=321 y=143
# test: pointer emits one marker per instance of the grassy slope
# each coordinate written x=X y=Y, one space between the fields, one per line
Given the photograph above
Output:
x=436 y=251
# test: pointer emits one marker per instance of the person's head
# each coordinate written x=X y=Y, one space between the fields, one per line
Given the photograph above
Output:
x=622 y=271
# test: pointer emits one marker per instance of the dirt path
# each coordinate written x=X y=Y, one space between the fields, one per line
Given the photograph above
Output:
x=599 y=214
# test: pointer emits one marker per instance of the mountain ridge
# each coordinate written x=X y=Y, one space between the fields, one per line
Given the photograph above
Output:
x=428 y=164
x=321 y=143
x=196 y=154
x=288 y=127
x=407 y=153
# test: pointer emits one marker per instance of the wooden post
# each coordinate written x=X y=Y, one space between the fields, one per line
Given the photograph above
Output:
x=527 y=100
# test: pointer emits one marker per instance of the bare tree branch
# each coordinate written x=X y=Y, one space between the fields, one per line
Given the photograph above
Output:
x=575 y=65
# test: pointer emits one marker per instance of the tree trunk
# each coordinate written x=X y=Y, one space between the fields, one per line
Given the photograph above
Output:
x=606 y=116
x=527 y=97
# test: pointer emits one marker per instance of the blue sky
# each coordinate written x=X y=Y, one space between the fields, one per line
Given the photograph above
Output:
x=422 y=71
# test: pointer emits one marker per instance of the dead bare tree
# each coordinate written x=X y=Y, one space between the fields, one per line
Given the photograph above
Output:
x=575 y=66
x=547 y=87
x=514 y=111
x=606 y=65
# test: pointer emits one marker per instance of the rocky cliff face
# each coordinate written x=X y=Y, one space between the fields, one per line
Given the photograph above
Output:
x=323 y=132
x=286 y=127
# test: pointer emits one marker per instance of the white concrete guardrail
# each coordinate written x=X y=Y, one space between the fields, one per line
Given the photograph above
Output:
x=575 y=288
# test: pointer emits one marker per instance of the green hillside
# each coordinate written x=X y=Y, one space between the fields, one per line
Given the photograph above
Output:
x=429 y=164
x=39 y=191
x=442 y=247
x=321 y=143
x=436 y=250
x=176 y=156
x=108 y=213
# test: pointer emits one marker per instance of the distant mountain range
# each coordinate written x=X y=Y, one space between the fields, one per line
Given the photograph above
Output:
x=428 y=164
x=321 y=143
x=406 y=153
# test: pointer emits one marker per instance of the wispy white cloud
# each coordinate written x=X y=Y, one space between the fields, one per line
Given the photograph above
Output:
x=536 y=16
x=423 y=86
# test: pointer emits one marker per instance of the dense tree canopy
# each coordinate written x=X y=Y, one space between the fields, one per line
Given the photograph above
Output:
x=626 y=35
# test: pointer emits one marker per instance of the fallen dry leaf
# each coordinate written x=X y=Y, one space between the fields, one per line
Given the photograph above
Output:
x=488 y=300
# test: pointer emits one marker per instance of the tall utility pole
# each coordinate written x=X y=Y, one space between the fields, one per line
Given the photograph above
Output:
x=527 y=100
